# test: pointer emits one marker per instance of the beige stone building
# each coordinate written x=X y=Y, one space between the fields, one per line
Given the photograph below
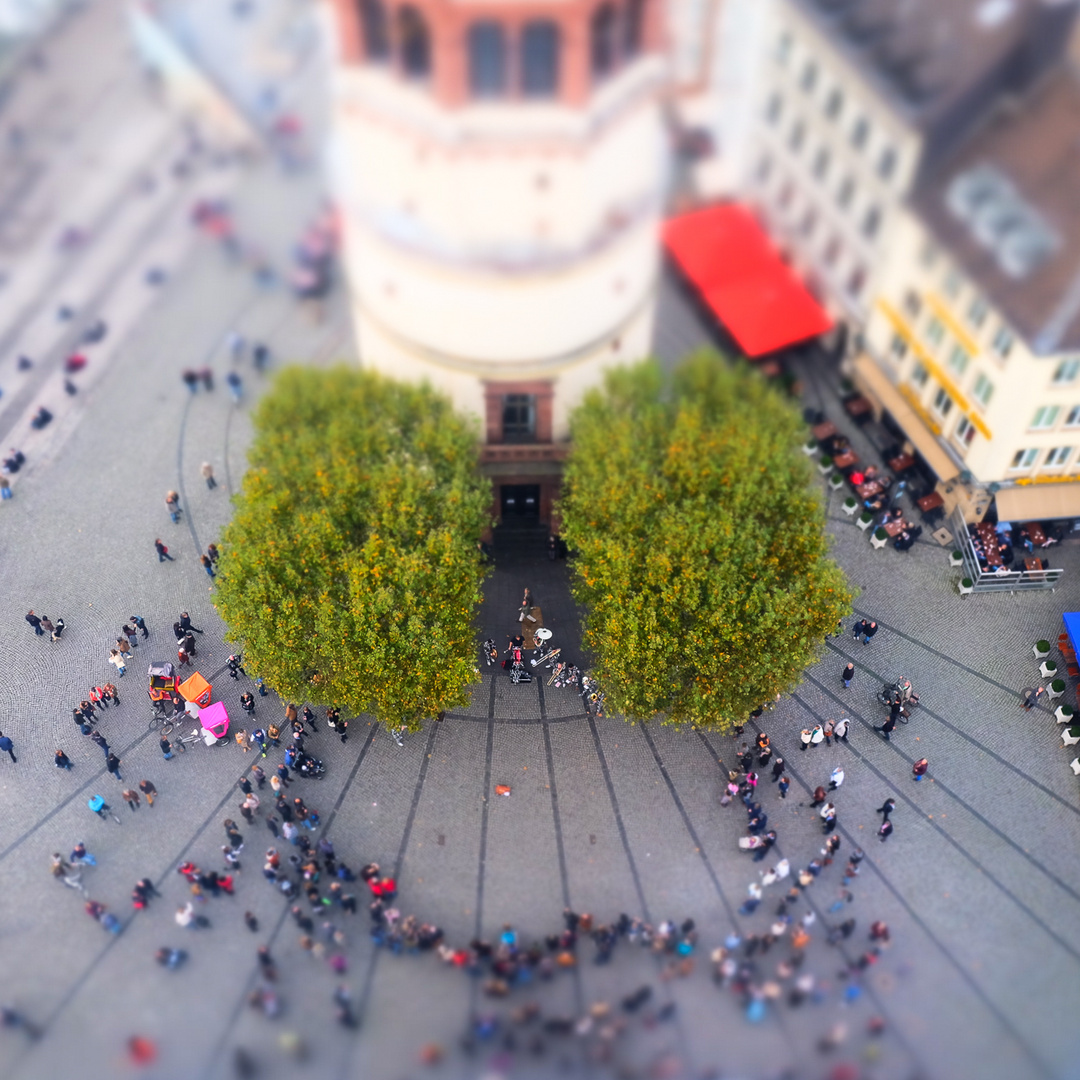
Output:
x=972 y=347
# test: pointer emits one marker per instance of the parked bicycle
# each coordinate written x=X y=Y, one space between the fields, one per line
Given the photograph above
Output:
x=161 y=722
x=181 y=743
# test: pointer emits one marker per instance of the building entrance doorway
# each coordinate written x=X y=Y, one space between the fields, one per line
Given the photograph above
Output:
x=520 y=503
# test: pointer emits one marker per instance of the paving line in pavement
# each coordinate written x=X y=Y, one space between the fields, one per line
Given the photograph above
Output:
x=966 y=977
x=1074 y=953
x=958 y=731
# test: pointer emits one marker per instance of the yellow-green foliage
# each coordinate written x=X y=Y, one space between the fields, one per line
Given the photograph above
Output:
x=702 y=558
x=349 y=572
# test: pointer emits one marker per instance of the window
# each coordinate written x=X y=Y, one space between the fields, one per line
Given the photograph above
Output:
x=1023 y=459
x=809 y=77
x=898 y=347
x=1058 y=456
x=984 y=390
x=887 y=163
x=1002 y=343
x=821 y=163
x=831 y=252
x=860 y=133
x=919 y=375
x=603 y=52
x=774 y=109
x=415 y=43
x=977 y=312
x=798 y=134
x=808 y=223
x=965 y=431
x=634 y=22
x=846 y=193
x=952 y=284
x=783 y=47
x=786 y=192
x=487 y=59
x=958 y=359
x=764 y=169
x=912 y=304
x=871 y=222
x=519 y=418
x=942 y=402
x=1067 y=371
x=834 y=103
x=1045 y=417
x=856 y=281
x=540 y=59
x=1073 y=419
x=935 y=330
x=373 y=26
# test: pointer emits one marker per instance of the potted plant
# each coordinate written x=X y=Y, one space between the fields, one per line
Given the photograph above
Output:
x=1048 y=669
x=966 y=586
x=850 y=505
x=1075 y=732
x=1057 y=688
x=836 y=481
x=865 y=518
x=956 y=558
x=1064 y=713
x=810 y=447
x=880 y=537
x=1042 y=648
x=824 y=464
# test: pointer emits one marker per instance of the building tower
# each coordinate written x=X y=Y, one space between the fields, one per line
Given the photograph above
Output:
x=500 y=170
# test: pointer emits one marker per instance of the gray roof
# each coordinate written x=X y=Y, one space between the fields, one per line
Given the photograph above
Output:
x=1006 y=206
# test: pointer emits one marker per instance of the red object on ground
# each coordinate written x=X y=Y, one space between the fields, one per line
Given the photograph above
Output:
x=727 y=256
x=142 y=1051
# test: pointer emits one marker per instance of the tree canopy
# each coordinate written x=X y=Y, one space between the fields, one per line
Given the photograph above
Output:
x=349 y=573
x=701 y=552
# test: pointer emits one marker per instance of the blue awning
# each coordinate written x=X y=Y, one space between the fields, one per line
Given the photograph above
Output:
x=1072 y=626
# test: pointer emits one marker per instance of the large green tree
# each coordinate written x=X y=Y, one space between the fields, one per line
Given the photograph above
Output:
x=702 y=557
x=349 y=572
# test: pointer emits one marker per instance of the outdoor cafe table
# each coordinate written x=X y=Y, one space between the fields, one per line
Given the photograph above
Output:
x=1035 y=532
x=1031 y=563
x=857 y=406
x=901 y=463
x=895 y=528
x=930 y=502
x=842 y=461
x=823 y=431
x=869 y=489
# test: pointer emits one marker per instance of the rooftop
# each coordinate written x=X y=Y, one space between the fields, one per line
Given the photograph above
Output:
x=938 y=60
x=1006 y=207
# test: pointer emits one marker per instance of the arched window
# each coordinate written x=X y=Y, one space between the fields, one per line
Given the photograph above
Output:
x=414 y=43
x=487 y=60
x=633 y=27
x=540 y=59
x=603 y=31
x=373 y=25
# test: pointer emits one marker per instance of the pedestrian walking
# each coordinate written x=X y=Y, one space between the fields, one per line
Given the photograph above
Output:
x=245 y=812
x=233 y=833
x=207 y=471
x=64 y=872
x=272 y=825
x=98 y=698
x=35 y=622
x=80 y=856
x=887 y=728
x=131 y=798
x=260 y=686
x=242 y=740
x=251 y=922
x=783 y=786
x=112 y=763
x=191 y=379
x=5 y=488
x=828 y=816
x=148 y=790
x=123 y=646
x=182 y=657
x=918 y=769
x=260 y=776
x=869 y=630
x=819 y=796
x=817 y=735
x=1031 y=697
x=236 y=386
x=207 y=377
x=836 y=778
x=130 y=633
x=172 y=503
x=166 y=748
x=804 y=738
x=885 y=830
x=777 y=769
x=62 y=761
x=235 y=665
x=112 y=692
x=7 y=747
x=162 y=552
x=259 y=736
x=827 y=731
x=840 y=729
x=247 y=703
x=189 y=643
x=212 y=551
x=208 y=566
x=140 y=624
x=848 y=675
x=185 y=624
x=886 y=808
x=244 y=784
x=48 y=626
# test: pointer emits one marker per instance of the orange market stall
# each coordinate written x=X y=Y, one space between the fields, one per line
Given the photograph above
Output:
x=196 y=690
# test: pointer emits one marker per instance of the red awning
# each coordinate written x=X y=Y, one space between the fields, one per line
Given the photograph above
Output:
x=743 y=280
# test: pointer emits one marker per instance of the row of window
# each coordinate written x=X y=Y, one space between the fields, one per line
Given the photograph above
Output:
x=498 y=65
x=774 y=111
x=832 y=252
x=982 y=390
x=1055 y=457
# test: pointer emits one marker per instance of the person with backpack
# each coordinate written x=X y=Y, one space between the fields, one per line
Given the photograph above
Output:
x=162 y=552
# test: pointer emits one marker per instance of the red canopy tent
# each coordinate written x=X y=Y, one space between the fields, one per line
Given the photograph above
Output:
x=723 y=251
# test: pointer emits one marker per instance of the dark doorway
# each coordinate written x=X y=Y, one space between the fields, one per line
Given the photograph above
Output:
x=520 y=503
